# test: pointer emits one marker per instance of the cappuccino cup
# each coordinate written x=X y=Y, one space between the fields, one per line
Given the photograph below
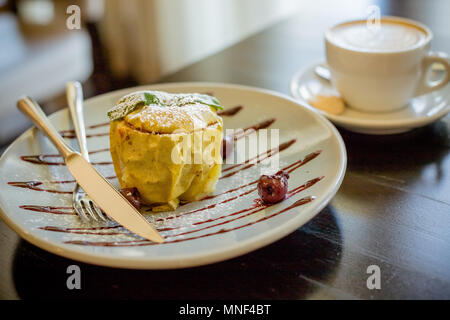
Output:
x=380 y=67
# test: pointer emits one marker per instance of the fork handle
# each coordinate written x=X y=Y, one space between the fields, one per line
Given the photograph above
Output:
x=74 y=95
x=32 y=110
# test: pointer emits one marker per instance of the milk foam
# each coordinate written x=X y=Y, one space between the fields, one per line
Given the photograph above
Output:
x=389 y=36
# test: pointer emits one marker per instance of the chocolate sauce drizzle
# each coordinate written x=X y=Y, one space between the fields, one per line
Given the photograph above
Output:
x=230 y=111
x=268 y=154
x=110 y=230
x=249 y=130
x=49 y=209
x=257 y=207
x=91 y=231
x=42 y=159
x=33 y=185
x=71 y=133
x=298 y=203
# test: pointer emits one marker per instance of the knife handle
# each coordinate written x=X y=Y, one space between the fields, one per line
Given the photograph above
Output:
x=33 y=111
x=74 y=95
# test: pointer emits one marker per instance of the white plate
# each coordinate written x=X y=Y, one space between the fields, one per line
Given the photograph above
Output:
x=231 y=234
x=423 y=110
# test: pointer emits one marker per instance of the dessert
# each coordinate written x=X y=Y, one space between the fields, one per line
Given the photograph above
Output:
x=167 y=146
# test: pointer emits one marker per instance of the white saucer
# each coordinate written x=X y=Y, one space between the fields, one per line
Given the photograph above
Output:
x=423 y=110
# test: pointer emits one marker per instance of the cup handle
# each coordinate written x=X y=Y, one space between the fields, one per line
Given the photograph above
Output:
x=426 y=86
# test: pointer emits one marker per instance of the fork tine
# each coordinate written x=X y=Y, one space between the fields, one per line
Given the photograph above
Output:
x=79 y=211
x=89 y=210
x=103 y=214
x=96 y=210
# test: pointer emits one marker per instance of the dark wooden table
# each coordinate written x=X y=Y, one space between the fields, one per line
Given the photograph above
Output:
x=393 y=209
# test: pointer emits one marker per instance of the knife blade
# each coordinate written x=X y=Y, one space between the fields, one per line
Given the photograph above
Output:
x=93 y=183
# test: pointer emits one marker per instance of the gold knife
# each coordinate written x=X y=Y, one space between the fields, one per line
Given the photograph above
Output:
x=98 y=188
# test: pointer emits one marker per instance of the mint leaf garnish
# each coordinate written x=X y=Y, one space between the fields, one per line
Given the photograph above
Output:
x=151 y=99
x=125 y=106
x=133 y=101
x=209 y=101
x=184 y=99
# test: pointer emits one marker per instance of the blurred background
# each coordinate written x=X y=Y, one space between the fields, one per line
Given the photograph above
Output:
x=113 y=44
x=116 y=44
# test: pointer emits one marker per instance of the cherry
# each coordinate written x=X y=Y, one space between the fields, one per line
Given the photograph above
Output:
x=273 y=188
x=133 y=196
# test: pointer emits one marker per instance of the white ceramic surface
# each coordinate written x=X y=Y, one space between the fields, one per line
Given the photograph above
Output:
x=231 y=233
x=422 y=110
x=383 y=81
